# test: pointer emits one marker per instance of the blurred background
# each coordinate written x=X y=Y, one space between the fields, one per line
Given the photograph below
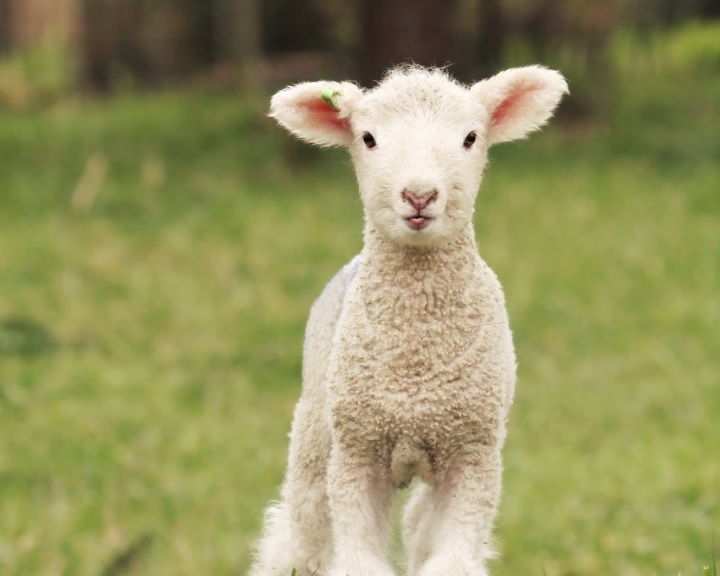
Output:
x=100 y=46
x=161 y=243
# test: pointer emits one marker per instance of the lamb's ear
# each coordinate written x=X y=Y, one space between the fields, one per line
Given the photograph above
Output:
x=519 y=100
x=317 y=111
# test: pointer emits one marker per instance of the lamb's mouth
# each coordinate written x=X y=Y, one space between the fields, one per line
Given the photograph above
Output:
x=418 y=222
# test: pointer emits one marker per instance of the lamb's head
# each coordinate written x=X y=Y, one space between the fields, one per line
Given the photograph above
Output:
x=419 y=140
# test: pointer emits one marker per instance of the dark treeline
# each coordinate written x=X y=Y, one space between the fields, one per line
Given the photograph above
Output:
x=253 y=42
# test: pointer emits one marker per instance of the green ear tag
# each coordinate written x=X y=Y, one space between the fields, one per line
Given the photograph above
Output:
x=327 y=95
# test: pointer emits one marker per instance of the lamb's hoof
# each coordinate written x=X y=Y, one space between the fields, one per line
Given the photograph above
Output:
x=367 y=568
x=449 y=566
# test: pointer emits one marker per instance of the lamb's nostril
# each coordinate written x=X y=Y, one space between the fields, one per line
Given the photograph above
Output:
x=419 y=201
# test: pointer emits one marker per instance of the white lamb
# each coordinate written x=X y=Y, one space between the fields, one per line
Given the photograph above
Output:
x=409 y=368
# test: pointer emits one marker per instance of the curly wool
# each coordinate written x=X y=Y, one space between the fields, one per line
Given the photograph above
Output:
x=423 y=357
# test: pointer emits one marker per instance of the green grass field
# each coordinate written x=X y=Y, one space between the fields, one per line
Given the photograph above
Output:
x=158 y=257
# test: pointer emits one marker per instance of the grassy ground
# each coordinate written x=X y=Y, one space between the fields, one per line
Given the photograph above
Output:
x=158 y=257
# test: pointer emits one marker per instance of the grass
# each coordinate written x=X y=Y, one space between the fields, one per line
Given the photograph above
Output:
x=711 y=568
x=150 y=335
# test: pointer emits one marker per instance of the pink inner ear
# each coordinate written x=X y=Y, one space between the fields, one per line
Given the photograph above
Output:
x=511 y=103
x=323 y=116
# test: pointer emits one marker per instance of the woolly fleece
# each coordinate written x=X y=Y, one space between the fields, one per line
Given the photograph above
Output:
x=408 y=367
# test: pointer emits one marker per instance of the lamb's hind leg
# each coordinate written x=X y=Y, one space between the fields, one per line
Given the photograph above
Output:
x=457 y=517
x=417 y=527
x=297 y=534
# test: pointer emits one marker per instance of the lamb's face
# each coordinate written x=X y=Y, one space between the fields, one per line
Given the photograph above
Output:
x=419 y=148
x=419 y=140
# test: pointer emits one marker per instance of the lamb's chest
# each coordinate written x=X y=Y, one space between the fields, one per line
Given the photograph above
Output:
x=439 y=407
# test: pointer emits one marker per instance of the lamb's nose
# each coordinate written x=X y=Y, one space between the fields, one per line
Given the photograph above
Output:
x=419 y=201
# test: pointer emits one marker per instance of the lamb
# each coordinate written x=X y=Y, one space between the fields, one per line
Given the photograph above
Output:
x=408 y=363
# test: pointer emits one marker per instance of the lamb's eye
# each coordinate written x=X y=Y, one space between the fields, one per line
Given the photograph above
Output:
x=369 y=140
x=470 y=140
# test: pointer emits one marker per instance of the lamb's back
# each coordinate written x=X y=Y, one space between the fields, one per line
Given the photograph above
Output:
x=322 y=324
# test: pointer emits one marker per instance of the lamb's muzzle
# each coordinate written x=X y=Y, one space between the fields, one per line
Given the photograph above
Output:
x=419 y=202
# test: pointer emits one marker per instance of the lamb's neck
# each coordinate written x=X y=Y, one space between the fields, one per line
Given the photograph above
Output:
x=426 y=282
x=391 y=259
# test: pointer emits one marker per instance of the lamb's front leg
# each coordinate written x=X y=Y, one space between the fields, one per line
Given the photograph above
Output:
x=462 y=506
x=360 y=499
